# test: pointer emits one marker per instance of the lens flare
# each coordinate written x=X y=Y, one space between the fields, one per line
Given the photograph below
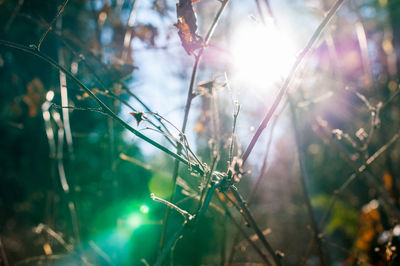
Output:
x=144 y=209
x=262 y=55
x=134 y=220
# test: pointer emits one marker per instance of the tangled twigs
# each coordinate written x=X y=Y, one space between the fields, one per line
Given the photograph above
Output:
x=190 y=97
x=103 y=106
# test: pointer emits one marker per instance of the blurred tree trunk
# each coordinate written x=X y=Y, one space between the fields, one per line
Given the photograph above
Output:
x=394 y=14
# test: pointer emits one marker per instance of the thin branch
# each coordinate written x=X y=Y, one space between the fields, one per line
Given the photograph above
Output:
x=100 y=252
x=177 y=235
x=13 y=15
x=235 y=116
x=353 y=176
x=207 y=182
x=189 y=99
x=261 y=174
x=51 y=24
x=289 y=78
x=105 y=108
x=58 y=237
x=63 y=38
x=184 y=213
x=361 y=171
x=245 y=212
x=241 y=231
x=303 y=178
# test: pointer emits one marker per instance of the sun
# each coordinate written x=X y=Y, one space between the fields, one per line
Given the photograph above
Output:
x=261 y=55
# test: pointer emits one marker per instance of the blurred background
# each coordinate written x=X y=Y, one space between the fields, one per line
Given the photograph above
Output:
x=75 y=185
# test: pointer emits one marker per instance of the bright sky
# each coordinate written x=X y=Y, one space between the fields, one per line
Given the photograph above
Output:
x=261 y=59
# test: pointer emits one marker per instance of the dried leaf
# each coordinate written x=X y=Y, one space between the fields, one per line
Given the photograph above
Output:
x=146 y=33
x=187 y=26
x=206 y=87
x=139 y=116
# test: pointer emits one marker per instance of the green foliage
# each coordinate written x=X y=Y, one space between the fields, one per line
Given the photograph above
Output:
x=343 y=217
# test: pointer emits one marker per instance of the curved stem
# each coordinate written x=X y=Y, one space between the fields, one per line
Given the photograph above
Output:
x=289 y=78
x=189 y=99
x=104 y=107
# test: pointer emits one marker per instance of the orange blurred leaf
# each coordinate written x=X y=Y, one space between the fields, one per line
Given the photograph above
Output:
x=35 y=96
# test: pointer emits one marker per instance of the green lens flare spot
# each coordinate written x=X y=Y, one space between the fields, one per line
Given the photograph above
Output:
x=134 y=220
x=161 y=185
x=144 y=209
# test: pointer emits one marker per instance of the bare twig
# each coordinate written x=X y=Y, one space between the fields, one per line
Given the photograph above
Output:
x=235 y=116
x=177 y=235
x=105 y=108
x=100 y=252
x=51 y=24
x=245 y=212
x=364 y=174
x=13 y=15
x=42 y=227
x=241 y=231
x=107 y=92
x=289 y=78
x=189 y=99
x=352 y=177
x=261 y=174
x=303 y=177
x=184 y=213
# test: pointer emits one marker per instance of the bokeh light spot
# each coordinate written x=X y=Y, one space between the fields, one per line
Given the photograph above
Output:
x=161 y=185
x=144 y=209
x=134 y=220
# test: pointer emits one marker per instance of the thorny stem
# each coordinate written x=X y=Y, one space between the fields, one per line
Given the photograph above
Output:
x=245 y=212
x=104 y=107
x=303 y=177
x=289 y=78
x=189 y=99
x=51 y=24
